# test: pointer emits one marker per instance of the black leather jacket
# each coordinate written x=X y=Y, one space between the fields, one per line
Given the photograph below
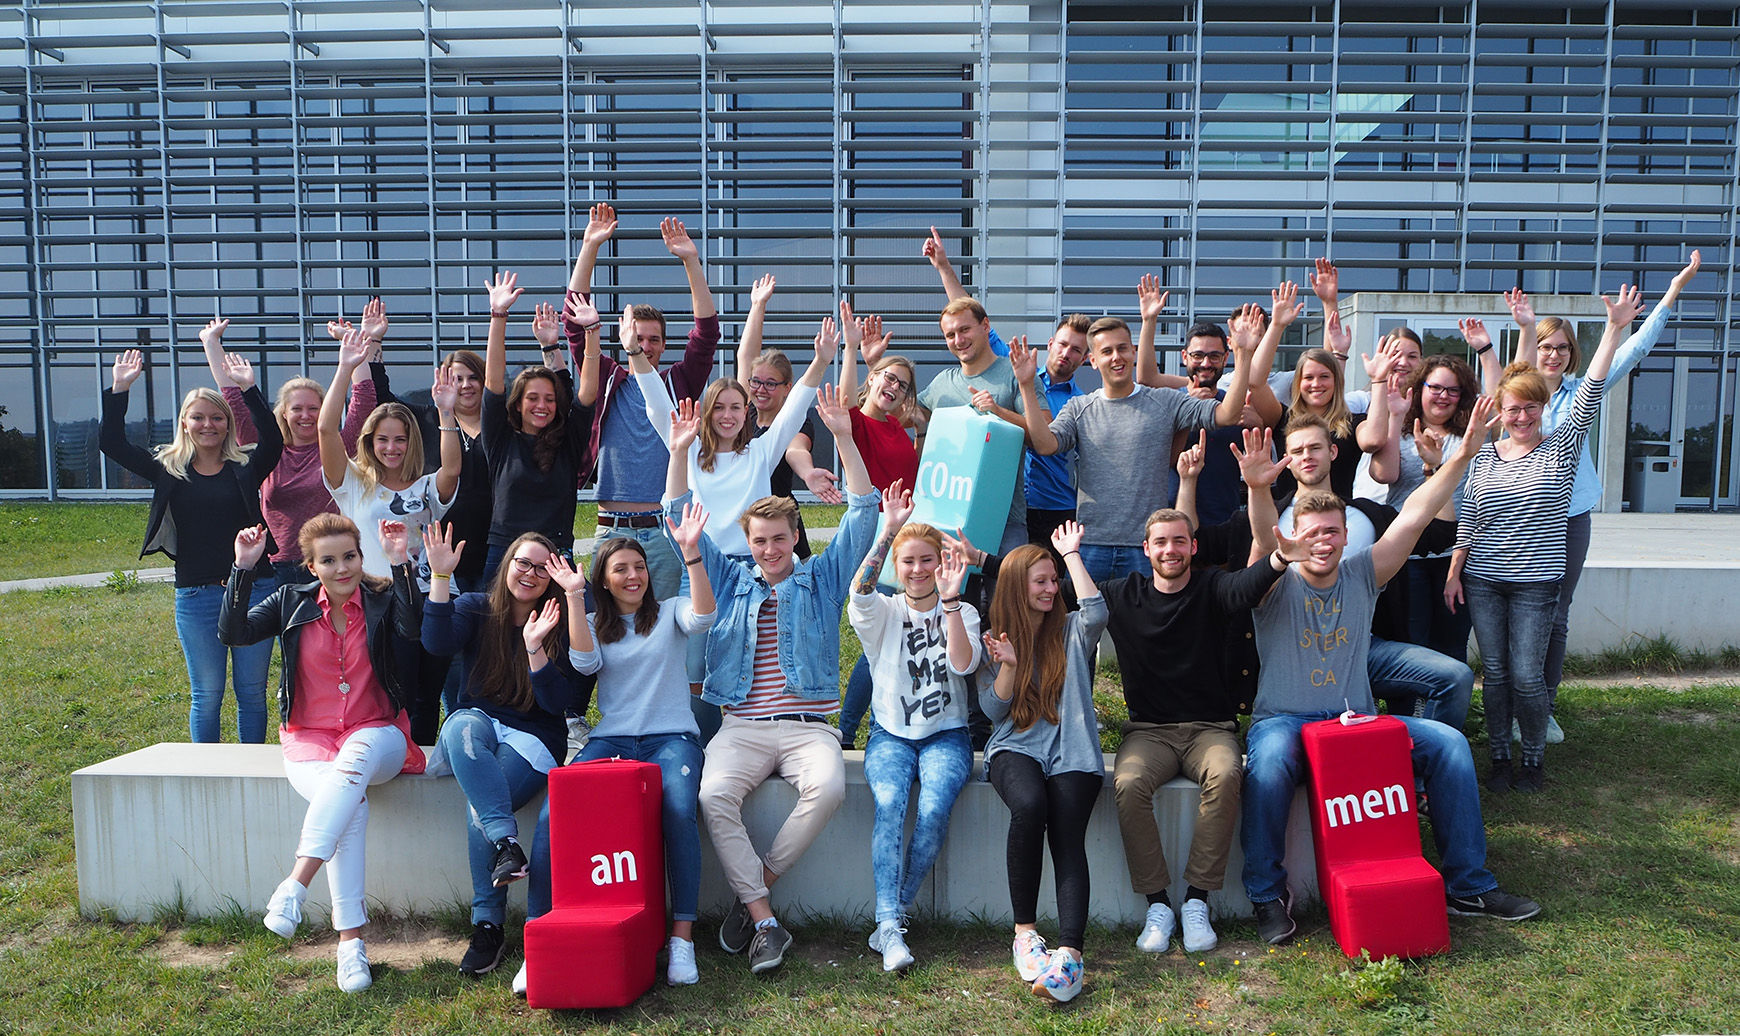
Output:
x=394 y=612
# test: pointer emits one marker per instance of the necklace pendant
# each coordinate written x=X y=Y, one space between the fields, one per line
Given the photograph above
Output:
x=344 y=686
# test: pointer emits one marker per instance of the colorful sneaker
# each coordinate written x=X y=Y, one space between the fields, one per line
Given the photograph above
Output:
x=284 y=909
x=519 y=983
x=736 y=931
x=510 y=863
x=488 y=944
x=353 y=966
x=1199 y=935
x=1030 y=955
x=889 y=940
x=681 y=970
x=1157 y=929
x=1061 y=979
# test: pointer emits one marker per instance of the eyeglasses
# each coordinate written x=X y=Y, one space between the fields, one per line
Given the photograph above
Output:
x=1513 y=412
x=894 y=383
x=1545 y=348
x=528 y=567
x=1199 y=357
x=1444 y=390
x=764 y=385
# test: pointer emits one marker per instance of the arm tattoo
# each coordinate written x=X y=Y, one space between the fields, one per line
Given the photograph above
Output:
x=867 y=572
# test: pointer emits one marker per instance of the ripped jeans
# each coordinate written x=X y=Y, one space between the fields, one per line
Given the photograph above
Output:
x=335 y=828
x=496 y=781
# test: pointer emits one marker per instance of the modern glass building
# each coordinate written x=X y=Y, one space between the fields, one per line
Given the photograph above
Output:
x=280 y=161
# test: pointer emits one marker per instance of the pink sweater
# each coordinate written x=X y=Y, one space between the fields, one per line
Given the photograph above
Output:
x=295 y=491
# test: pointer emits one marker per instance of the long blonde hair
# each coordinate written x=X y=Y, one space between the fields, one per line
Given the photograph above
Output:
x=281 y=408
x=1336 y=415
x=368 y=465
x=711 y=446
x=178 y=453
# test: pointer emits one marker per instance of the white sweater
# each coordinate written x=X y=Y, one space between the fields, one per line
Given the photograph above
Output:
x=916 y=691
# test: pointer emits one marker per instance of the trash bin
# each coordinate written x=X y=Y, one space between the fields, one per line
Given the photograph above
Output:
x=1655 y=484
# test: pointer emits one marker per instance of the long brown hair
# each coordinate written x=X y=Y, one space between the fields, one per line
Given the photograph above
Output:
x=1416 y=387
x=607 y=624
x=368 y=463
x=503 y=674
x=1038 y=638
x=711 y=444
x=549 y=441
x=1338 y=417
x=327 y=524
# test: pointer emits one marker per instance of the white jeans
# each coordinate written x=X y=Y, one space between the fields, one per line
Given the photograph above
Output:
x=336 y=826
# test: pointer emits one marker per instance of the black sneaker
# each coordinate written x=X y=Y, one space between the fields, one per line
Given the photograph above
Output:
x=1498 y=781
x=1530 y=779
x=767 y=948
x=488 y=943
x=1497 y=903
x=510 y=863
x=737 y=930
x=1275 y=921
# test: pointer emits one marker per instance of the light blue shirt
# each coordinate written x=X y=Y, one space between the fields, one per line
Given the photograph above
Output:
x=1586 y=489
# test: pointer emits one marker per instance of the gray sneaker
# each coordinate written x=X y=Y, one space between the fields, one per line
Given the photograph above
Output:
x=737 y=930
x=767 y=948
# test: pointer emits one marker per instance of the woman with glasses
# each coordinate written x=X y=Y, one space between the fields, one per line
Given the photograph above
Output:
x=1510 y=545
x=1551 y=345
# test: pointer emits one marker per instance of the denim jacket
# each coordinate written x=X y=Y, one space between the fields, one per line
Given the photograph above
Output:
x=810 y=601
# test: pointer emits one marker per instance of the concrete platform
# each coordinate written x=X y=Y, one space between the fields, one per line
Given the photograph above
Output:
x=1654 y=574
x=214 y=826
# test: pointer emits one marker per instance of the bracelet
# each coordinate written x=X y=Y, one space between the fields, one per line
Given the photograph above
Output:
x=951 y=611
x=535 y=652
x=1483 y=352
x=589 y=328
x=691 y=561
x=1277 y=556
x=442 y=576
x=498 y=314
x=550 y=348
x=446 y=428
x=1067 y=553
x=633 y=352
x=948 y=600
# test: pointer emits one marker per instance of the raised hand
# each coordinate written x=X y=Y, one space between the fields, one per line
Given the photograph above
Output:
x=897 y=505
x=128 y=366
x=825 y=484
x=439 y=548
x=1292 y=550
x=1191 y=461
x=580 y=312
x=337 y=328
x=1024 y=360
x=1247 y=326
x=504 y=291
x=1429 y=444
x=625 y=327
x=761 y=290
x=959 y=542
x=1285 y=303
x=444 y=390
x=1624 y=307
x=689 y=531
x=1339 y=338
x=395 y=541
x=239 y=370
x=565 y=575
x=1521 y=309
x=685 y=424
x=1067 y=537
x=833 y=410
x=540 y=623
x=545 y=327
x=600 y=225
x=875 y=340
x=934 y=249
x=1255 y=461
x=677 y=240
x=213 y=333
x=1684 y=277
x=827 y=342
x=1380 y=367
x=250 y=547
x=850 y=329
x=1481 y=421
x=1474 y=333
x=951 y=573
x=354 y=349
x=1151 y=299
x=374 y=319
x=999 y=650
x=1326 y=282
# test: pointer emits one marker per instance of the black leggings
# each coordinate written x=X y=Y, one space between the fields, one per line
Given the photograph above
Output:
x=1057 y=808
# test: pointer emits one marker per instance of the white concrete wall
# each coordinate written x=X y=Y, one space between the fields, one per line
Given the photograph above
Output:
x=1694 y=602
x=215 y=826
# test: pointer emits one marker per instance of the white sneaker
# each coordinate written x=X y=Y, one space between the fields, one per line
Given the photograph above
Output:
x=681 y=970
x=520 y=980
x=1156 y=936
x=888 y=940
x=353 y=966
x=1555 y=733
x=284 y=909
x=1199 y=935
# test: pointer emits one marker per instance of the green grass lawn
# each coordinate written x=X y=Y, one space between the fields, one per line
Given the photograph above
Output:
x=1634 y=851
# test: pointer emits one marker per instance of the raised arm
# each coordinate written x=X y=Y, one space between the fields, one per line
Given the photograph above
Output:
x=211 y=339
x=896 y=509
x=1152 y=302
x=1246 y=330
x=1640 y=342
x=1066 y=540
x=749 y=346
x=684 y=424
x=1260 y=471
x=951 y=576
x=600 y=225
x=1189 y=466
x=1386 y=463
x=1622 y=309
x=1285 y=307
x=1035 y=412
x=688 y=535
x=1480 y=340
x=353 y=352
x=504 y=291
x=547 y=329
x=835 y=413
x=1326 y=285
x=1374 y=432
x=1231 y=408
x=679 y=244
x=573 y=585
x=654 y=394
x=939 y=258
x=445 y=395
x=583 y=315
x=1393 y=547
x=1523 y=312
x=112 y=434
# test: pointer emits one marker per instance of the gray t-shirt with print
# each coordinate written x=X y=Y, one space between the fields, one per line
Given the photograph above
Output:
x=1123 y=451
x=1313 y=643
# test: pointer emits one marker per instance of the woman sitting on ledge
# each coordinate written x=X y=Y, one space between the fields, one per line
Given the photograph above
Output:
x=341 y=715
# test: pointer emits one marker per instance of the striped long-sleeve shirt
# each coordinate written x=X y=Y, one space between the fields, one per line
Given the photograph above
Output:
x=1513 y=511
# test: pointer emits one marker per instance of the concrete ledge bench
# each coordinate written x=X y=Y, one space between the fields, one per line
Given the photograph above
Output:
x=209 y=827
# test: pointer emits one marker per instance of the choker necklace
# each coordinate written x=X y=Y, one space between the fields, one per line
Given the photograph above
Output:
x=912 y=602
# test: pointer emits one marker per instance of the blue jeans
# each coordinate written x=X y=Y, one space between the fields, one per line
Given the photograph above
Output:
x=1577 y=533
x=1417 y=681
x=1105 y=564
x=941 y=763
x=1275 y=764
x=679 y=761
x=496 y=781
x=196 y=623
x=1513 y=623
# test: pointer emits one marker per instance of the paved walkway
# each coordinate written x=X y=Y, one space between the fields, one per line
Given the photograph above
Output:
x=1619 y=540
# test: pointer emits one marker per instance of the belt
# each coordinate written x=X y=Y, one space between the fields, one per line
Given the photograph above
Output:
x=615 y=520
x=794 y=717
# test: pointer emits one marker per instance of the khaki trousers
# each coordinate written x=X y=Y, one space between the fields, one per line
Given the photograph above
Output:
x=1151 y=755
x=740 y=757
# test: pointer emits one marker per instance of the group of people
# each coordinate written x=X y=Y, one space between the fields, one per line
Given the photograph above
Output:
x=1310 y=550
